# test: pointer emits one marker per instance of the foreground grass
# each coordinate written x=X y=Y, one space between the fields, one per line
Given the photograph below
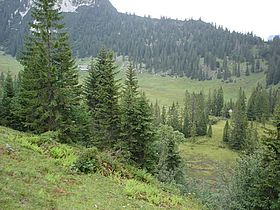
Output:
x=31 y=179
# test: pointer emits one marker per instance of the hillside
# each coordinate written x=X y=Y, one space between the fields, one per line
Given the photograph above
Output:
x=191 y=48
x=32 y=177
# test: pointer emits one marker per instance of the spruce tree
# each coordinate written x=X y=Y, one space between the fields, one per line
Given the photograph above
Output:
x=209 y=132
x=2 y=79
x=247 y=73
x=226 y=133
x=163 y=115
x=168 y=167
x=49 y=86
x=101 y=91
x=219 y=102
x=7 y=116
x=173 y=117
x=186 y=128
x=137 y=131
x=200 y=115
x=239 y=124
x=157 y=115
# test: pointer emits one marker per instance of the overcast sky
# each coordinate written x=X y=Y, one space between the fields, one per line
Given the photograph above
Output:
x=260 y=16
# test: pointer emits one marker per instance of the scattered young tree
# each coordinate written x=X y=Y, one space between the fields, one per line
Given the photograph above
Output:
x=163 y=116
x=209 y=132
x=239 y=124
x=6 y=114
x=226 y=133
x=169 y=163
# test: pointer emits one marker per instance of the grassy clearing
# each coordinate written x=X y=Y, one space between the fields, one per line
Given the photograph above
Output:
x=205 y=157
x=32 y=178
x=9 y=63
x=169 y=89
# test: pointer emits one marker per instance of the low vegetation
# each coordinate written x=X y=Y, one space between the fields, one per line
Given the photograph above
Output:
x=39 y=173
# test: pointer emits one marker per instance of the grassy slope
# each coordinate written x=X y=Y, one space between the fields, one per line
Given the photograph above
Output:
x=169 y=89
x=8 y=63
x=30 y=180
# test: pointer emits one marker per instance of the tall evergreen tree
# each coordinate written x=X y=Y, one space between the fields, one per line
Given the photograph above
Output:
x=173 y=117
x=209 y=132
x=49 y=87
x=102 y=91
x=163 y=116
x=219 y=103
x=157 y=114
x=226 y=133
x=7 y=116
x=239 y=124
x=200 y=118
x=168 y=167
x=186 y=128
x=136 y=119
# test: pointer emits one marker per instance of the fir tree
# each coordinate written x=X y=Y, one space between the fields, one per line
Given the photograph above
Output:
x=2 y=79
x=238 y=72
x=219 y=103
x=247 y=73
x=226 y=133
x=49 y=86
x=163 y=115
x=173 y=117
x=101 y=92
x=157 y=115
x=186 y=128
x=136 y=119
x=168 y=167
x=7 y=116
x=200 y=115
x=239 y=124
x=209 y=132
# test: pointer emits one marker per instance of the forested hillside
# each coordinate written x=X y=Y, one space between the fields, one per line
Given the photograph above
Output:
x=189 y=48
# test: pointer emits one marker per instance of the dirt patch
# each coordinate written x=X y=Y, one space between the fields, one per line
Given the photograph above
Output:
x=60 y=192
x=2 y=151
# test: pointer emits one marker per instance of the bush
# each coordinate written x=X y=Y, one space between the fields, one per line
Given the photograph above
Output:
x=87 y=162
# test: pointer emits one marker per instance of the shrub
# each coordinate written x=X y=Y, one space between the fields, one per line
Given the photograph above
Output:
x=87 y=162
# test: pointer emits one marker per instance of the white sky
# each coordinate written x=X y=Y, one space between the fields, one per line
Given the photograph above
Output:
x=260 y=16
